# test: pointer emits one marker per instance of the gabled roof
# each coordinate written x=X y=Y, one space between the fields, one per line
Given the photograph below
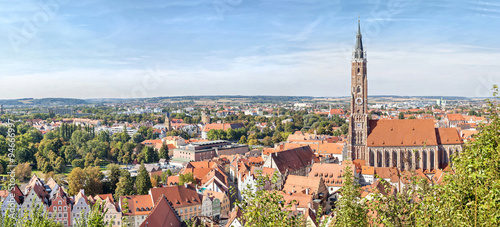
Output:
x=81 y=195
x=179 y=196
x=296 y=183
x=18 y=194
x=162 y=215
x=137 y=204
x=455 y=117
x=448 y=136
x=236 y=214
x=391 y=173
x=51 y=183
x=405 y=132
x=331 y=173
x=293 y=159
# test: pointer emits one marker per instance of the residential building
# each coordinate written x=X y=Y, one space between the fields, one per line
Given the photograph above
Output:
x=184 y=199
x=162 y=215
x=139 y=207
x=60 y=208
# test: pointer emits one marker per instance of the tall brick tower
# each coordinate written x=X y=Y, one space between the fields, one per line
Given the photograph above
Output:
x=358 y=120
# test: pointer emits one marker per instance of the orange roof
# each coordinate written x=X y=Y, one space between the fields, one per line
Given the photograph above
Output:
x=256 y=159
x=138 y=204
x=301 y=200
x=222 y=126
x=406 y=132
x=468 y=133
x=179 y=196
x=391 y=173
x=296 y=183
x=162 y=215
x=173 y=180
x=337 y=112
x=455 y=117
x=331 y=173
x=367 y=170
x=448 y=136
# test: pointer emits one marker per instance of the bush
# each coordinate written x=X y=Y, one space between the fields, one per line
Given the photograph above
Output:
x=78 y=163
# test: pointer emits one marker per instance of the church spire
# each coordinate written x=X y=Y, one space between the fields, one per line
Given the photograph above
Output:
x=358 y=49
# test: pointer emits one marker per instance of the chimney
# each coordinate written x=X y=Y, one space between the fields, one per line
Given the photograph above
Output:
x=307 y=191
x=185 y=185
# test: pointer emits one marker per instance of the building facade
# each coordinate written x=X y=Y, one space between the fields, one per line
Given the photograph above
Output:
x=406 y=144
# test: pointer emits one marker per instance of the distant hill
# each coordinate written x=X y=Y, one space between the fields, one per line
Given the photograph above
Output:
x=42 y=102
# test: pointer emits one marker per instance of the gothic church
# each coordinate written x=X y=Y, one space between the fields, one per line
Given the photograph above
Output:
x=406 y=144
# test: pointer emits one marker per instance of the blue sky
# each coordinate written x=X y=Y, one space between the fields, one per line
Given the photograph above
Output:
x=123 y=49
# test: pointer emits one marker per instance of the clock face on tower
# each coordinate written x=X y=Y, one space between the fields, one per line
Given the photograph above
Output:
x=359 y=101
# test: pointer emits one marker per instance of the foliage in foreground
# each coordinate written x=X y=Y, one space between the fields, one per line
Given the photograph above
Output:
x=267 y=208
x=39 y=218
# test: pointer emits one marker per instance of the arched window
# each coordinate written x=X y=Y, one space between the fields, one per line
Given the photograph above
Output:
x=431 y=158
x=424 y=159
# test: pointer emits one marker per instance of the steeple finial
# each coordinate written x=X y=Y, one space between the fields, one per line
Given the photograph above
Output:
x=358 y=49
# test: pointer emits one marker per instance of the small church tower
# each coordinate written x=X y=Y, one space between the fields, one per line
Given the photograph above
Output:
x=168 y=125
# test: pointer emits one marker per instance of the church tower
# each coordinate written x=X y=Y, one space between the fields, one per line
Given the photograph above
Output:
x=358 y=121
x=168 y=125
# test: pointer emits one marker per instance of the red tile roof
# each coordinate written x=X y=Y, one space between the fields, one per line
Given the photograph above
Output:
x=407 y=132
x=179 y=196
x=138 y=204
x=455 y=117
x=293 y=159
x=448 y=136
x=162 y=215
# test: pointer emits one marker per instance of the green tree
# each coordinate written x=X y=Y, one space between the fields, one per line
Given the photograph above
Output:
x=114 y=175
x=143 y=181
x=89 y=159
x=93 y=181
x=69 y=153
x=76 y=180
x=186 y=178
x=164 y=152
x=267 y=208
x=267 y=141
x=243 y=139
x=401 y=115
x=470 y=197
x=349 y=209
x=23 y=171
x=95 y=217
x=125 y=185
x=60 y=165
x=277 y=137
x=78 y=163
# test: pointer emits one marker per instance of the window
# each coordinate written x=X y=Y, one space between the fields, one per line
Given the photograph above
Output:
x=65 y=208
x=65 y=215
x=60 y=202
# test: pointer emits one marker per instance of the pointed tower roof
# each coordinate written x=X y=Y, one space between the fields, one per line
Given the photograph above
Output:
x=358 y=49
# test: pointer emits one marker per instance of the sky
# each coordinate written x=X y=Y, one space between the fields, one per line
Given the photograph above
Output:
x=137 y=49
